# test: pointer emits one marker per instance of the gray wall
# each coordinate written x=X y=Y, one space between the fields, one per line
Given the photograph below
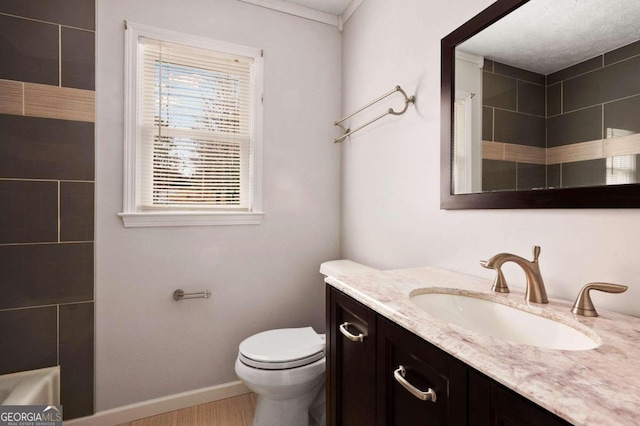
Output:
x=391 y=216
x=261 y=277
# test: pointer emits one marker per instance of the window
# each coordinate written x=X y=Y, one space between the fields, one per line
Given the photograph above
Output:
x=621 y=169
x=462 y=154
x=192 y=130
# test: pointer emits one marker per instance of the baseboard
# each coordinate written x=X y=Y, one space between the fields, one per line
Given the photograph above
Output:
x=157 y=406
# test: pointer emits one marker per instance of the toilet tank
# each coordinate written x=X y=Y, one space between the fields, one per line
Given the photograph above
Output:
x=336 y=268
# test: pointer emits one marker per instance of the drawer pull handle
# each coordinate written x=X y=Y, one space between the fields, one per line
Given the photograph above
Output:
x=429 y=395
x=352 y=337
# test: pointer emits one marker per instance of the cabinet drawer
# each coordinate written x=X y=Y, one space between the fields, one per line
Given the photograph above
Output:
x=425 y=367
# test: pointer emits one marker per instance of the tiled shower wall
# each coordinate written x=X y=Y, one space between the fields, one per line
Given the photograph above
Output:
x=577 y=105
x=583 y=102
x=47 y=146
x=513 y=111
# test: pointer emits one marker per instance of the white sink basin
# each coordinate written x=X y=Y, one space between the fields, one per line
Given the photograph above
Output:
x=495 y=319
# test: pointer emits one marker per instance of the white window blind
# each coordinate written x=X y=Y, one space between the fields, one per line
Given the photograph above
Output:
x=621 y=170
x=194 y=127
x=462 y=160
x=459 y=155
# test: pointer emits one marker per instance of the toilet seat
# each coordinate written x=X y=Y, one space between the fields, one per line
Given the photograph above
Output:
x=282 y=348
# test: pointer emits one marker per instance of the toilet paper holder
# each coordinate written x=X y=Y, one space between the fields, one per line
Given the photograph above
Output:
x=179 y=294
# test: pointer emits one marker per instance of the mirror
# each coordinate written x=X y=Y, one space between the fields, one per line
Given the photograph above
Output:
x=541 y=106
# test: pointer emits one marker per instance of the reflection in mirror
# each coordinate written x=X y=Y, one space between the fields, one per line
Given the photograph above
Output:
x=549 y=97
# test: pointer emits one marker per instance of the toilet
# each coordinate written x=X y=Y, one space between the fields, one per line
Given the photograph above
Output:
x=286 y=367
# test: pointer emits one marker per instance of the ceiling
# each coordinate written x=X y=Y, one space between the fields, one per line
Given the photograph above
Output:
x=334 y=7
x=545 y=36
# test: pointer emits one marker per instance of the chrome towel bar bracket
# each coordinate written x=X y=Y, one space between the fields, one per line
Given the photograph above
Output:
x=179 y=294
x=408 y=100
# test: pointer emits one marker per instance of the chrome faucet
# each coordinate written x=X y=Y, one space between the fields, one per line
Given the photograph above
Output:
x=536 y=292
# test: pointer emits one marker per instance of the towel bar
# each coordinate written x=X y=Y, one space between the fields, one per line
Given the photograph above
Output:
x=408 y=100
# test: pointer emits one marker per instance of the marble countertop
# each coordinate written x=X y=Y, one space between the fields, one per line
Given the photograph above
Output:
x=600 y=386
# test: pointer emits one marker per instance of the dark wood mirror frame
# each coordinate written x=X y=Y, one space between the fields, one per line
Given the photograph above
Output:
x=613 y=196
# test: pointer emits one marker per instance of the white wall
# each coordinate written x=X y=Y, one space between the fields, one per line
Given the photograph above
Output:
x=391 y=173
x=262 y=276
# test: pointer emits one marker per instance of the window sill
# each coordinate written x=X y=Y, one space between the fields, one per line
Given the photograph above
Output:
x=187 y=218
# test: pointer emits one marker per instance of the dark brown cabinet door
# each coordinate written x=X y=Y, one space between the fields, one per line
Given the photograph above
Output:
x=351 y=380
x=425 y=367
x=491 y=404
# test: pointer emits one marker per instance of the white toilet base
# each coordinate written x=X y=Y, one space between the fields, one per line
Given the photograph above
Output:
x=291 y=412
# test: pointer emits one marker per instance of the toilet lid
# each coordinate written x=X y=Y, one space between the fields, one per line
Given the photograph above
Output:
x=289 y=346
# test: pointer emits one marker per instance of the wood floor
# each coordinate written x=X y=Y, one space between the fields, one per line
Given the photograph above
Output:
x=237 y=411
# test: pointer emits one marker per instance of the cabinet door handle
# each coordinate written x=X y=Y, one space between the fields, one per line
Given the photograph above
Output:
x=429 y=395
x=352 y=337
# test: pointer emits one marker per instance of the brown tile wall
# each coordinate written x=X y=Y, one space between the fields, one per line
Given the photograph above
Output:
x=585 y=100
x=513 y=113
x=574 y=109
x=47 y=164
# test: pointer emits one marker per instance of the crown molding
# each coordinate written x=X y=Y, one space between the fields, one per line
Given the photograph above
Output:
x=296 y=10
x=307 y=12
x=350 y=10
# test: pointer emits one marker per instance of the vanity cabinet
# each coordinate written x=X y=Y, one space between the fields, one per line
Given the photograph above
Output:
x=351 y=361
x=491 y=404
x=366 y=356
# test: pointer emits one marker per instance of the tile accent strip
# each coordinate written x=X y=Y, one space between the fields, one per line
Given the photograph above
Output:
x=46 y=101
x=11 y=100
x=591 y=150
x=41 y=100
x=623 y=145
x=525 y=154
x=513 y=152
x=575 y=152
x=492 y=150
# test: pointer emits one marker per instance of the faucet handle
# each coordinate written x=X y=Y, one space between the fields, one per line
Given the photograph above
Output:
x=500 y=283
x=536 y=253
x=584 y=304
